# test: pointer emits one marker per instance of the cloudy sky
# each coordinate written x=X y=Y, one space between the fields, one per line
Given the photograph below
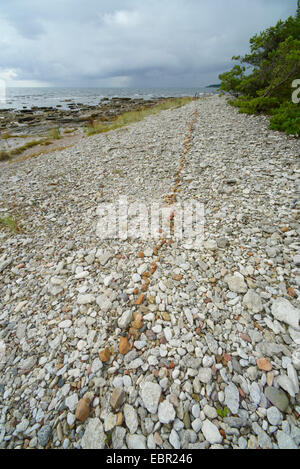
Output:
x=135 y=43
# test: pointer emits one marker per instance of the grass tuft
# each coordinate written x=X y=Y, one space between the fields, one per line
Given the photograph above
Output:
x=10 y=223
x=54 y=133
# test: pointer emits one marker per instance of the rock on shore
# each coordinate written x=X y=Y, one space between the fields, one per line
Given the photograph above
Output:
x=212 y=357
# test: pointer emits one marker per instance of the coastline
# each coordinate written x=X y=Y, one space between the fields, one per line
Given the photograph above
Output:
x=38 y=130
x=211 y=349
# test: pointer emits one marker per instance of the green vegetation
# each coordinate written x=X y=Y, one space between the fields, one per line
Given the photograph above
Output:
x=10 y=223
x=54 y=133
x=263 y=81
x=223 y=412
x=136 y=116
x=22 y=148
x=5 y=155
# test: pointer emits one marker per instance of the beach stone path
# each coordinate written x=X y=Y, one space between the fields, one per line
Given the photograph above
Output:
x=154 y=343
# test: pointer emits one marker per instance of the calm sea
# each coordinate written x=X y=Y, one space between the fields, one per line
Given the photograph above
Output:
x=19 y=98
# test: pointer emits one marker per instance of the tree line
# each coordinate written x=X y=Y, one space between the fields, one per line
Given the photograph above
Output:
x=267 y=80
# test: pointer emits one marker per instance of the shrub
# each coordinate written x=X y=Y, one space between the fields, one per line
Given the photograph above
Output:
x=256 y=105
x=287 y=119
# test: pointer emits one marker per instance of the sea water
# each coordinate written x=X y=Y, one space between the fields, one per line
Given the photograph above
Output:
x=26 y=98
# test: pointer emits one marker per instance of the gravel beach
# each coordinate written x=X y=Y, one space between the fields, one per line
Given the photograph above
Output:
x=129 y=343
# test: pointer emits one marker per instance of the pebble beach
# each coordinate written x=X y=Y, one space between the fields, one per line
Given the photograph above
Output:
x=151 y=344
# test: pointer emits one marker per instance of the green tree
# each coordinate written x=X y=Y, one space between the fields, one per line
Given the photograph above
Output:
x=263 y=80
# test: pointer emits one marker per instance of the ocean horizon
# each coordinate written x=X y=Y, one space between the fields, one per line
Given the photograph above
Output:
x=27 y=98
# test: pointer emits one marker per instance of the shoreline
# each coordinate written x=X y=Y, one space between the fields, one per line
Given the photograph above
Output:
x=145 y=344
x=35 y=131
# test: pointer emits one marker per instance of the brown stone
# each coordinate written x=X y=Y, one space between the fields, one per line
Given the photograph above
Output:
x=291 y=292
x=227 y=357
x=207 y=300
x=177 y=277
x=124 y=346
x=140 y=299
x=138 y=321
x=83 y=409
x=104 y=355
x=119 y=419
x=165 y=316
x=134 y=332
x=246 y=338
x=117 y=398
x=270 y=378
x=264 y=364
x=141 y=255
x=157 y=438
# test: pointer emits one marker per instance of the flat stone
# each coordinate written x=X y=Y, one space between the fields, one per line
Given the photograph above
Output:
x=232 y=398
x=205 y=375
x=174 y=439
x=56 y=285
x=44 y=435
x=284 y=311
x=253 y=302
x=210 y=412
x=150 y=394
x=94 y=436
x=197 y=425
x=104 y=303
x=274 y=416
x=211 y=432
x=236 y=283
x=125 y=319
x=85 y=299
x=264 y=364
x=131 y=418
x=22 y=426
x=136 y=442
x=285 y=441
x=110 y=422
x=118 y=436
x=210 y=244
x=264 y=441
x=83 y=410
x=104 y=256
x=166 y=412
x=277 y=397
x=66 y=324
x=293 y=377
x=71 y=402
x=27 y=363
x=255 y=393
x=124 y=345
x=286 y=383
x=117 y=398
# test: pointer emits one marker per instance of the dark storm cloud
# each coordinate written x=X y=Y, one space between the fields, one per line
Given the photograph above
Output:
x=129 y=42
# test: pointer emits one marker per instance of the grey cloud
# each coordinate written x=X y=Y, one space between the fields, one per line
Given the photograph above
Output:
x=153 y=43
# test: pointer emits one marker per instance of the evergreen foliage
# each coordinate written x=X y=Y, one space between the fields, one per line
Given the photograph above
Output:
x=262 y=82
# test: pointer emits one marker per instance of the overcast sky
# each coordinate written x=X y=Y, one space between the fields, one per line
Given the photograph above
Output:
x=136 y=43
